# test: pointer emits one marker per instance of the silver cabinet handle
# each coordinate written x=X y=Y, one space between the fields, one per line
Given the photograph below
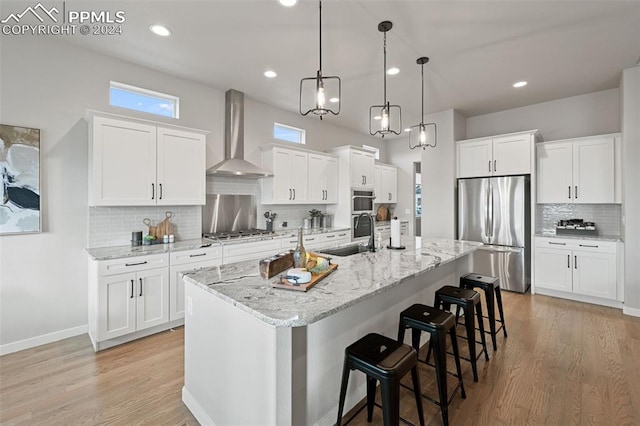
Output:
x=558 y=244
x=330 y=236
x=197 y=255
x=576 y=196
x=489 y=165
x=342 y=235
x=131 y=289
x=140 y=287
x=136 y=264
x=569 y=191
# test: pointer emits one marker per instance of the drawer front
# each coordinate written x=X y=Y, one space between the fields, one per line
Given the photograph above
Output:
x=253 y=250
x=574 y=244
x=197 y=255
x=132 y=264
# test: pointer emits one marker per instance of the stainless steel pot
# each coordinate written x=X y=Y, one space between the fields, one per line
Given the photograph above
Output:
x=326 y=220
x=315 y=222
x=306 y=223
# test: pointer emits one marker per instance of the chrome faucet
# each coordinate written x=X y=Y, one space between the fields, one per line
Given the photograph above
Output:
x=371 y=246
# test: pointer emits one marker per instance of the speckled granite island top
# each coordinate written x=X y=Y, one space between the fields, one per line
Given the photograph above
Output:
x=357 y=278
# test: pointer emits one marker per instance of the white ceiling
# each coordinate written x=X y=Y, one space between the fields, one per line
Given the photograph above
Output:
x=477 y=49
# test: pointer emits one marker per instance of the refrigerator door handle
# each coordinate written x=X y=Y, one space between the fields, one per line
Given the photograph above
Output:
x=490 y=206
x=487 y=217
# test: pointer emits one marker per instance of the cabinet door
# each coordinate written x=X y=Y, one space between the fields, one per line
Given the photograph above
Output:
x=357 y=166
x=594 y=274
x=593 y=171
x=123 y=163
x=181 y=172
x=299 y=176
x=512 y=155
x=390 y=184
x=378 y=187
x=316 y=177
x=282 y=191
x=475 y=158
x=368 y=168
x=553 y=269
x=116 y=306
x=554 y=175
x=176 y=286
x=331 y=181
x=152 y=298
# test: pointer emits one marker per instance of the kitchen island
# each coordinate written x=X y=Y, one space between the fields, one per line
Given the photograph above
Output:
x=259 y=355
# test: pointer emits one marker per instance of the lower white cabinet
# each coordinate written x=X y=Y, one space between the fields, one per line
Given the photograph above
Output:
x=237 y=252
x=186 y=261
x=127 y=296
x=316 y=241
x=578 y=267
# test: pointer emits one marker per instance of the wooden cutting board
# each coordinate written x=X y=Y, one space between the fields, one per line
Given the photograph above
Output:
x=382 y=213
x=281 y=282
x=165 y=227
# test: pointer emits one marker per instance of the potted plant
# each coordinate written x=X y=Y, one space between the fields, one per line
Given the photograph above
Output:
x=315 y=217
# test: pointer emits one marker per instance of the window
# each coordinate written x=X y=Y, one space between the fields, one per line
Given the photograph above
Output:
x=288 y=133
x=373 y=149
x=138 y=99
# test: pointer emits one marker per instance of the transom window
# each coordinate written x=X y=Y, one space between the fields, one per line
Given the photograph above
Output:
x=288 y=133
x=144 y=100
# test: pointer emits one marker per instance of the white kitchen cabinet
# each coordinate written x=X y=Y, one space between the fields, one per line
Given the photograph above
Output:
x=580 y=171
x=362 y=168
x=317 y=240
x=127 y=296
x=142 y=163
x=187 y=261
x=290 y=179
x=386 y=184
x=237 y=252
x=577 y=267
x=496 y=156
x=323 y=179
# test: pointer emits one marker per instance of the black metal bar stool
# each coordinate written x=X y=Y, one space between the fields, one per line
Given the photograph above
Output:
x=437 y=323
x=491 y=287
x=468 y=300
x=385 y=360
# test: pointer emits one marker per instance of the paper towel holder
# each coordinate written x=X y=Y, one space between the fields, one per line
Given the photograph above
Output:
x=390 y=246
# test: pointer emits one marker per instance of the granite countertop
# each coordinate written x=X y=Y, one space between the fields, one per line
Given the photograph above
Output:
x=614 y=238
x=357 y=278
x=121 y=252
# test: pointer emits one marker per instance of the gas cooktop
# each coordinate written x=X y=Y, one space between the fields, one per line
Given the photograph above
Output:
x=239 y=235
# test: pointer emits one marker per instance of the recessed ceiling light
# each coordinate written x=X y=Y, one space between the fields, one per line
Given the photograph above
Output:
x=334 y=100
x=393 y=71
x=288 y=3
x=160 y=30
x=377 y=117
x=270 y=74
x=407 y=130
x=520 y=84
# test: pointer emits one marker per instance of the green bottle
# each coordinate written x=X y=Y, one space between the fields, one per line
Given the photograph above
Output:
x=299 y=254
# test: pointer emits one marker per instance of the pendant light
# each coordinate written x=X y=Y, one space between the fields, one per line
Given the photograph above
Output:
x=418 y=138
x=321 y=90
x=389 y=115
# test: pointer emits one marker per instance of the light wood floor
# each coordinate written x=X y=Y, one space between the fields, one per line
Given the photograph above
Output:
x=564 y=363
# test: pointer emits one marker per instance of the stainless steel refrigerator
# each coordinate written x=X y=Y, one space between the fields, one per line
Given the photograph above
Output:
x=496 y=211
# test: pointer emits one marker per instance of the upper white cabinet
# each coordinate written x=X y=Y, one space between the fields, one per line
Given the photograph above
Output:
x=578 y=170
x=362 y=168
x=502 y=155
x=323 y=179
x=141 y=163
x=386 y=183
x=299 y=176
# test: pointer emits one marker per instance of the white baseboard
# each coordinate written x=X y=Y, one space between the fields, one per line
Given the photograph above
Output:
x=634 y=312
x=195 y=408
x=42 y=340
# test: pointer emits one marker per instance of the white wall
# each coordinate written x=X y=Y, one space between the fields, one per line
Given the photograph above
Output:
x=630 y=89
x=49 y=85
x=591 y=114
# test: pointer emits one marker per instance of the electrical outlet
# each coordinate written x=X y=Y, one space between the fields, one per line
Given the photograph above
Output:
x=189 y=305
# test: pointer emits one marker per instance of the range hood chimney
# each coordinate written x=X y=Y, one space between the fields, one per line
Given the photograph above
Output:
x=234 y=163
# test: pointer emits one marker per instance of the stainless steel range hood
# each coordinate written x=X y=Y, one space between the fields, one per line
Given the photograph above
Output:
x=234 y=163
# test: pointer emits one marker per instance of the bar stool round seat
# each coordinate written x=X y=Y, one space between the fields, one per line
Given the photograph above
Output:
x=491 y=287
x=468 y=300
x=387 y=361
x=438 y=324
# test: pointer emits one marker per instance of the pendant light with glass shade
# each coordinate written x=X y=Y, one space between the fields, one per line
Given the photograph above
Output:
x=389 y=115
x=315 y=96
x=418 y=138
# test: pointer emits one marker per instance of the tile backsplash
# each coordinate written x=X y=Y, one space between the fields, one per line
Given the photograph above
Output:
x=607 y=217
x=112 y=226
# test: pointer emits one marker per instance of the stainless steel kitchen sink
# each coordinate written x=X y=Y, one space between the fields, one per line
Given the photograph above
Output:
x=347 y=250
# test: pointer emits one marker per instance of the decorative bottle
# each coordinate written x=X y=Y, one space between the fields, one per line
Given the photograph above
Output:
x=299 y=254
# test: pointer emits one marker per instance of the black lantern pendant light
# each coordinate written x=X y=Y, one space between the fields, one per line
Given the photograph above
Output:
x=322 y=90
x=418 y=138
x=390 y=116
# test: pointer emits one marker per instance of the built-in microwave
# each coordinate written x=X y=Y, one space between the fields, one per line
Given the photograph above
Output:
x=362 y=201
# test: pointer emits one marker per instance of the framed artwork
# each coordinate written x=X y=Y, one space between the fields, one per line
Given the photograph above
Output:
x=19 y=180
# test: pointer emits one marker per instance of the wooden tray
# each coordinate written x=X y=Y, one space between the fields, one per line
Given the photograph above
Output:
x=315 y=278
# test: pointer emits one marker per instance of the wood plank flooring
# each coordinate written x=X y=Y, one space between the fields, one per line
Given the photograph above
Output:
x=564 y=363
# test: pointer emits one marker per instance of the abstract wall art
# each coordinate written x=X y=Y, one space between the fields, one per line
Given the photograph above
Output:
x=19 y=180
